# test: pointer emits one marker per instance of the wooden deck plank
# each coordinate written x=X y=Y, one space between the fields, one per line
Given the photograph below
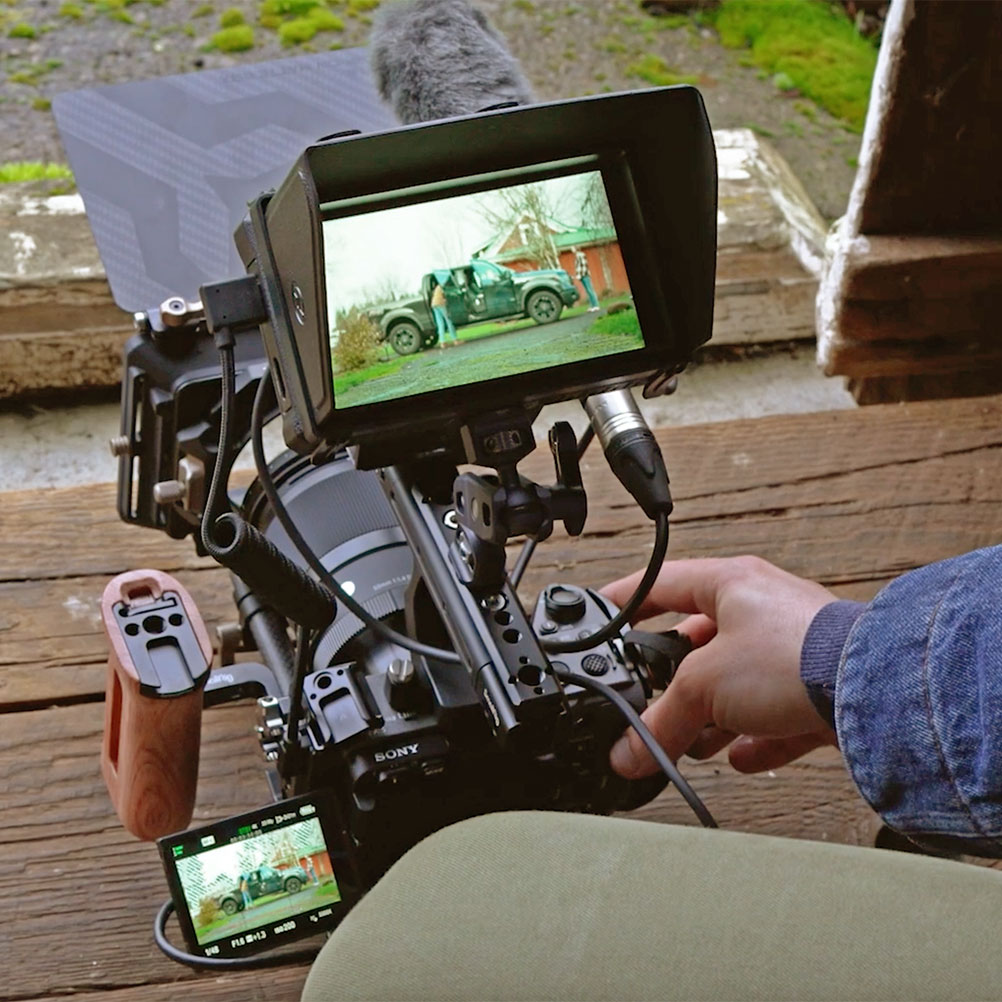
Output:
x=63 y=854
x=852 y=498
x=277 y=984
x=60 y=838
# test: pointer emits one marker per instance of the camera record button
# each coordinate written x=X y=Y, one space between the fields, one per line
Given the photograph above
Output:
x=595 y=664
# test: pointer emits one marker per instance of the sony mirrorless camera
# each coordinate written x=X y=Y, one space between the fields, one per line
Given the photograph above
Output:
x=401 y=683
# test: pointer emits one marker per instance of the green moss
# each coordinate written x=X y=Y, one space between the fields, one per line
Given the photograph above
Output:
x=22 y=170
x=671 y=22
x=325 y=20
x=231 y=18
x=761 y=131
x=297 y=31
x=71 y=10
x=30 y=75
x=654 y=70
x=808 y=110
x=524 y=5
x=813 y=43
x=357 y=8
x=288 y=8
x=203 y=11
x=239 y=38
x=41 y=104
x=22 y=30
x=613 y=44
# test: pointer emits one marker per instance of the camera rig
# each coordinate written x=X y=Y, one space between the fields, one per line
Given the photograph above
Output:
x=418 y=690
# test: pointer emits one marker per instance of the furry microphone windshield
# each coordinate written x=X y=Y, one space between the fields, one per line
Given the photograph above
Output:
x=440 y=58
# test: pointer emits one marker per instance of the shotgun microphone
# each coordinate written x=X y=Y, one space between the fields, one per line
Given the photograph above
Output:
x=442 y=58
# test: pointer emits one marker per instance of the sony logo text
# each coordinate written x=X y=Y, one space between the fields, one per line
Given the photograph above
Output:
x=392 y=753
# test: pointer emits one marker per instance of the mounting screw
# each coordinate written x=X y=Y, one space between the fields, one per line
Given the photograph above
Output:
x=231 y=639
x=168 y=491
x=120 y=445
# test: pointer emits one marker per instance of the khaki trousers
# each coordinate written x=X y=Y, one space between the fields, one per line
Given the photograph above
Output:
x=529 y=905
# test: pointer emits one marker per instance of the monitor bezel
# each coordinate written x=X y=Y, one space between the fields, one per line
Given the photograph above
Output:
x=663 y=197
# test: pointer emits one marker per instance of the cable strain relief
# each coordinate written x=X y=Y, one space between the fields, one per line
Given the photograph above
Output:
x=636 y=459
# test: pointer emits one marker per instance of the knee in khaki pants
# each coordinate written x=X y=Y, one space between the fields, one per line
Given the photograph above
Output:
x=529 y=905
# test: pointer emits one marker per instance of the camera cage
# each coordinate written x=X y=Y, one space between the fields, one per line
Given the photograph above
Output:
x=663 y=204
x=668 y=246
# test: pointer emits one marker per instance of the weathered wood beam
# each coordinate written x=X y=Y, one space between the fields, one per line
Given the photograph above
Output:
x=60 y=329
x=911 y=292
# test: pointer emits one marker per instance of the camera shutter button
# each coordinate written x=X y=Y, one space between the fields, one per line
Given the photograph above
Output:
x=564 y=603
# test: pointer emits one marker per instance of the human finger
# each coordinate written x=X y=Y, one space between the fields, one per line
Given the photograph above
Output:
x=681 y=586
x=709 y=741
x=675 y=719
x=757 y=754
x=699 y=629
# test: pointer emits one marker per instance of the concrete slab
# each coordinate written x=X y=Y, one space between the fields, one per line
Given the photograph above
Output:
x=69 y=446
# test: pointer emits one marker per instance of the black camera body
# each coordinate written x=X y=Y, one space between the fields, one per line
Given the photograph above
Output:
x=409 y=742
x=404 y=740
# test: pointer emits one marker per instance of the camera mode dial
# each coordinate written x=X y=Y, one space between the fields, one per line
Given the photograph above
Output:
x=564 y=603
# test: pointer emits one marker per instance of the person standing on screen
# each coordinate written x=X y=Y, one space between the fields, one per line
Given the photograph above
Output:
x=582 y=274
x=443 y=321
x=245 y=890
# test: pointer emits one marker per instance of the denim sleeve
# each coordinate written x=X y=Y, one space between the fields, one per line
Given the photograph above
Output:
x=820 y=654
x=918 y=704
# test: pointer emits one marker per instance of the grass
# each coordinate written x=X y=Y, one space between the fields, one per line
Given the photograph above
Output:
x=516 y=352
x=22 y=170
x=622 y=322
x=30 y=75
x=813 y=44
x=655 y=71
x=606 y=335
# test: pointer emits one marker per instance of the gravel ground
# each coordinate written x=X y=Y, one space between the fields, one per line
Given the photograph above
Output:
x=567 y=49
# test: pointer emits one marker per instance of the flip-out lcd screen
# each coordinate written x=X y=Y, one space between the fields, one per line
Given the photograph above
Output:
x=457 y=290
x=255 y=881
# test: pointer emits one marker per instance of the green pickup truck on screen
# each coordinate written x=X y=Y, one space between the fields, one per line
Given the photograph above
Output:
x=475 y=292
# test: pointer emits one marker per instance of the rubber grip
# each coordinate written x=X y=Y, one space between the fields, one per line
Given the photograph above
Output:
x=159 y=655
x=262 y=566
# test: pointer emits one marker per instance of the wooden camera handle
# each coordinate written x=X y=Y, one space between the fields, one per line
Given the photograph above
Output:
x=158 y=661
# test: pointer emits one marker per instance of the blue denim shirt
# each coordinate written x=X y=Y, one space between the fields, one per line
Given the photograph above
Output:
x=916 y=677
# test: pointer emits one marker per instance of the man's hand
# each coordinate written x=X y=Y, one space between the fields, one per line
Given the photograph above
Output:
x=741 y=683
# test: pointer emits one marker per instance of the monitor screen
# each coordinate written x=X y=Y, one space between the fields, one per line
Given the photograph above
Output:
x=456 y=290
x=254 y=881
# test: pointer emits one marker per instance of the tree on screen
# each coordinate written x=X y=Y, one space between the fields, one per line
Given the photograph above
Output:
x=529 y=209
